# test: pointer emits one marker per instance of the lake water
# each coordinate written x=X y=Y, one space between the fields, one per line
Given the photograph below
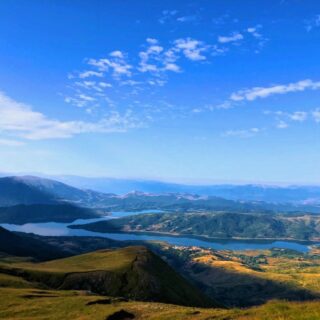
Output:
x=61 y=229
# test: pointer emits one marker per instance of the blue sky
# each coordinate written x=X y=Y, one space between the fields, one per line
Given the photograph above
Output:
x=199 y=91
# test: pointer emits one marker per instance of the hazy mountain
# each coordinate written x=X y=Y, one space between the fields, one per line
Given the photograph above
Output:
x=30 y=190
x=250 y=192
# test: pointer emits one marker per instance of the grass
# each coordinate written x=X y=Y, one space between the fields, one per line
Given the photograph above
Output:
x=23 y=300
x=108 y=260
x=131 y=272
x=7 y=280
x=300 y=270
x=33 y=304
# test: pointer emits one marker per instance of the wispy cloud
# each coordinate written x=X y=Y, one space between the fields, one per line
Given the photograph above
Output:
x=236 y=36
x=282 y=124
x=264 y=92
x=191 y=48
x=254 y=31
x=313 y=23
x=20 y=120
x=299 y=116
x=245 y=133
x=283 y=118
x=150 y=66
x=11 y=143
x=316 y=115
x=167 y=15
x=116 y=62
x=90 y=73
x=190 y=18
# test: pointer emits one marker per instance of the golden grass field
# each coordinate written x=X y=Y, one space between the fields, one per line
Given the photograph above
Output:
x=23 y=300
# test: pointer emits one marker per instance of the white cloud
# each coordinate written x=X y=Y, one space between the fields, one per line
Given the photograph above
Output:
x=283 y=117
x=299 y=116
x=172 y=67
x=157 y=82
x=87 y=74
x=264 y=92
x=117 y=54
x=20 y=120
x=105 y=84
x=282 y=125
x=150 y=58
x=191 y=48
x=316 y=115
x=156 y=59
x=254 y=31
x=152 y=41
x=167 y=15
x=11 y=143
x=190 y=18
x=90 y=85
x=251 y=30
x=313 y=23
x=86 y=97
x=130 y=83
x=117 y=63
x=246 y=133
x=233 y=38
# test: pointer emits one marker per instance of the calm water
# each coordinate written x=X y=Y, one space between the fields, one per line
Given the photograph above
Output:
x=61 y=229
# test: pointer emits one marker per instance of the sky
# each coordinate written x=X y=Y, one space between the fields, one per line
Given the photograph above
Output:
x=187 y=91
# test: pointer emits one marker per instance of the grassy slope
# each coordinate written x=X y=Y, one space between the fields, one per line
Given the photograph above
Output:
x=35 y=304
x=109 y=260
x=132 y=272
x=23 y=245
x=249 y=277
x=24 y=300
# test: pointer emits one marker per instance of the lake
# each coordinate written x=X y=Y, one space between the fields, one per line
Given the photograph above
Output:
x=61 y=229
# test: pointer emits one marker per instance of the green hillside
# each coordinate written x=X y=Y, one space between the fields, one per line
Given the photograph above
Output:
x=132 y=272
x=217 y=225
x=25 y=246
x=39 y=304
x=35 y=213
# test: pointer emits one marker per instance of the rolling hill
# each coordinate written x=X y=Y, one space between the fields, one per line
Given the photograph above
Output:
x=216 y=225
x=24 y=246
x=132 y=272
x=21 y=214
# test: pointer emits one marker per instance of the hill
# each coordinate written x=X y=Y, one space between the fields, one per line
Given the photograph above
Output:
x=25 y=246
x=132 y=272
x=29 y=190
x=21 y=214
x=38 y=304
x=216 y=225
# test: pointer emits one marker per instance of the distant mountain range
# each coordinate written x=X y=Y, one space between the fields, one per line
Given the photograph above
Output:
x=298 y=194
x=27 y=196
x=308 y=195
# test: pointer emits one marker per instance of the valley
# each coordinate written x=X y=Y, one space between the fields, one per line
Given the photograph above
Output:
x=173 y=259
